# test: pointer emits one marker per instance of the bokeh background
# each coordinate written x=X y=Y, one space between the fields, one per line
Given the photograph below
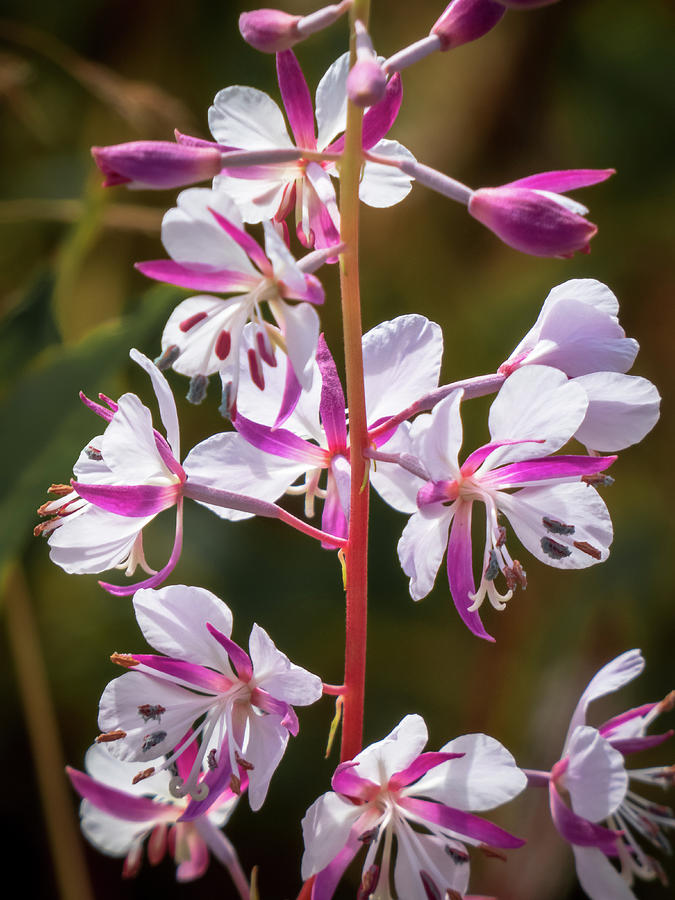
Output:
x=582 y=83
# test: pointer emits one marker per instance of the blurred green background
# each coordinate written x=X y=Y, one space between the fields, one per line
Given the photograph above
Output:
x=582 y=83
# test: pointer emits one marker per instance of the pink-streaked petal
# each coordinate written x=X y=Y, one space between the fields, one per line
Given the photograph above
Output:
x=312 y=291
x=130 y=500
x=269 y=704
x=397 y=486
x=248 y=244
x=173 y=621
x=219 y=281
x=394 y=753
x=609 y=678
x=248 y=119
x=462 y=823
x=475 y=459
x=218 y=782
x=627 y=724
x=419 y=767
x=259 y=197
x=297 y=100
x=332 y=406
x=101 y=411
x=129 y=447
x=238 y=657
x=563 y=179
x=277 y=675
x=323 y=213
x=580 y=831
x=188 y=756
x=460 y=569
x=598 y=877
x=326 y=881
x=119 y=804
x=635 y=745
x=379 y=118
x=596 y=776
x=550 y=468
x=280 y=442
x=421 y=549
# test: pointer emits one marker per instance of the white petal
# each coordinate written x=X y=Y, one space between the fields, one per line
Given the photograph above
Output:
x=266 y=745
x=249 y=119
x=429 y=853
x=622 y=409
x=165 y=400
x=301 y=327
x=421 y=549
x=325 y=829
x=90 y=470
x=396 y=485
x=536 y=402
x=283 y=262
x=331 y=102
x=107 y=833
x=190 y=233
x=598 y=877
x=573 y=504
x=401 y=362
x=116 y=773
x=276 y=674
x=197 y=345
x=437 y=439
x=257 y=198
x=94 y=540
x=609 y=678
x=485 y=777
x=173 y=621
x=227 y=462
x=382 y=186
x=379 y=761
x=596 y=777
x=128 y=446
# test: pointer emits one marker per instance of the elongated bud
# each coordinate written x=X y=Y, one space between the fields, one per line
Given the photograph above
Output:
x=366 y=82
x=466 y=20
x=156 y=164
x=271 y=30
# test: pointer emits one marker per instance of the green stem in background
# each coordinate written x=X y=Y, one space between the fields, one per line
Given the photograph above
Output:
x=357 y=546
x=63 y=833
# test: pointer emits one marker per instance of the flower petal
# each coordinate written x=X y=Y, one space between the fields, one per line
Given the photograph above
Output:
x=421 y=549
x=461 y=823
x=381 y=185
x=248 y=119
x=460 y=569
x=165 y=400
x=331 y=101
x=394 y=753
x=297 y=100
x=598 y=877
x=275 y=673
x=622 y=409
x=596 y=776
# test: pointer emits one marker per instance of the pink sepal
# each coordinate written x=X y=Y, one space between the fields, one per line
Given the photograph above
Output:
x=474 y=460
x=188 y=141
x=248 y=244
x=327 y=880
x=461 y=822
x=297 y=99
x=186 y=758
x=637 y=712
x=134 y=501
x=101 y=411
x=270 y=704
x=460 y=570
x=550 y=467
x=192 y=673
x=238 y=657
x=378 y=119
x=117 y=803
x=214 y=280
x=280 y=442
x=291 y=395
x=563 y=180
x=313 y=291
x=579 y=831
x=419 y=767
x=634 y=745
x=348 y=784
x=332 y=404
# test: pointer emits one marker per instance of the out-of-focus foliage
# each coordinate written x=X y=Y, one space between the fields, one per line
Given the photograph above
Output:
x=578 y=83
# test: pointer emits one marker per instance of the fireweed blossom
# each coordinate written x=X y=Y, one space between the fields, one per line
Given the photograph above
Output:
x=554 y=510
x=392 y=789
x=592 y=784
x=402 y=361
x=211 y=251
x=117 y=817
x=240 y=704
x=243 y=118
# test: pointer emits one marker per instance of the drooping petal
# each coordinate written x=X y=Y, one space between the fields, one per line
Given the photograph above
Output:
x=460 y=569
x=136 y=501
x=484 y=777
x=596 y=776
x=265 y=747
x=622 y=409
x=276 y=674
x=120 y=804
x=248 y=119
x=598 y=877
x=421 y=549
x=551 y=468
x=381 y=185
x=579 y=831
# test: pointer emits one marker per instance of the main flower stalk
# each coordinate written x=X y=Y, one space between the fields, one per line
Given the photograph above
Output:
x=357 y=544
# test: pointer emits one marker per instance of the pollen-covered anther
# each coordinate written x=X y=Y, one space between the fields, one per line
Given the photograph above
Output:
x=554 y=549
x=197 y=390
x=368 y=883
x=189 y=323
x=235 y=784
x=59 y=490
x=243 y=763
x=515 y=576
x=211 y=761
x=93 y=454
x=151 y=740
x=501 y=536
x=146 y=773
x=124 y=659
x=589 y=549
x=556 y=527
x=149 y=711
x=598 y=480
x=168 y=357
x=109 y=736
x=369 y=836
x=492 y=569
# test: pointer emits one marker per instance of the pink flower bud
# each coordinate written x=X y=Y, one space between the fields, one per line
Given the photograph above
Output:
x=532 y=217
x=269 y=30
x=466 y=20
x=156 y=164
x=367 y=81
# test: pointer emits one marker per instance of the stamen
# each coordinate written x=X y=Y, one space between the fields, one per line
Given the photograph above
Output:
x=556 y=527
x=598 y=480
x=235 y=784
x=93 y=453
x=456 y=855
x=124 y=659
x=554 y=549
x=223 y=344
x=501 y=536
x=109 y=736
x=168 y=357
x=493 y=566
x=197 y=389
x=60 y=490
x=368 y=883
x=369 y=836
x=430 y=886
x=148 y=711
x=265 y=349
x=515 y=574
x=151 y=740
x=667 y=704
x=211 y=761
x=585 y=547
x=228 y=408
x=191 y=321
x=256 y=369
x=243 y=763
x=146 y=773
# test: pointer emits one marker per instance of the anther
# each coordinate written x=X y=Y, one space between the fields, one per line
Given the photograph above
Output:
x=598 y=480
x=197 y=390
x=146 y=773
x=151 y=740
x=554 y=549
x=235 y=784
x=149 y=711
x=168 y=357
x=243 y=763
x=501 y=536
x=124 y=659
x=556 y=527
x=585 y=547
x=191 y=321
x=368 y=883
x=60 y=490
x=223 y=344
x=457 y=856
x=266 y=352
x=430 y=886
x=227 y=408
x=255 y=367
x=369 y=836
x=42 y=527
x=515 y=575
x=667 y=704
x=93 y=454
x=109 y=736
x=211 y=759
x=492 y=569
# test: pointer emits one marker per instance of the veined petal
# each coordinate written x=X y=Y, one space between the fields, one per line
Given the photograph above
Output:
x=297 y=100
x=421 y=549
x=381 y=185
x=93 y=540
x=248 y=119
x=264 y=749
x=129 y=447
x=596 y=776
x=437 y=439
x=276 y=674
x=598 y=877
x=331 y=101
x=460 y=569
x=300 y=325
x=258 y=198
x=419 y=767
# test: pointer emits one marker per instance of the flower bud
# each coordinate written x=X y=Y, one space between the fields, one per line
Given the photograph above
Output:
x=367 y=81
x=156 y=164
x=466 y=20
x=269 y=30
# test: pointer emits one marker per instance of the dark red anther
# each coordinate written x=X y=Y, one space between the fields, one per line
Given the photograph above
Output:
x=589 y=549
x=256 y=369
x=111 y=736
x=368 y=883
x=191 y=321
x=146 y=773
x=223 y=344
x=266 y=352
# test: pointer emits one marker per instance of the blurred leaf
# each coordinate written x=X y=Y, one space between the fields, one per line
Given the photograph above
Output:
x=44 y=423
x=27 y=330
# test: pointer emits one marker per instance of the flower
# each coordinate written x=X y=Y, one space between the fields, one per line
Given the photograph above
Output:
x=533 y=216
x=242 y=700
x=556 y=513
x=248 y=119
x=392 y=788
x=156 y=164
x=593 y=777
x=117 y=817
x=210 y=251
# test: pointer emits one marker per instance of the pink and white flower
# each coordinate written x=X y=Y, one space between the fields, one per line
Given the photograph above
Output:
x=118 y=816
x=244 y=118
x=211 y=251
x=555 y=512
x=204 y=686
x=592 y=776
x=392 y=789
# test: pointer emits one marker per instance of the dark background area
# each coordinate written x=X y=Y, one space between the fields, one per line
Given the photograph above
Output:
x=582 y=83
